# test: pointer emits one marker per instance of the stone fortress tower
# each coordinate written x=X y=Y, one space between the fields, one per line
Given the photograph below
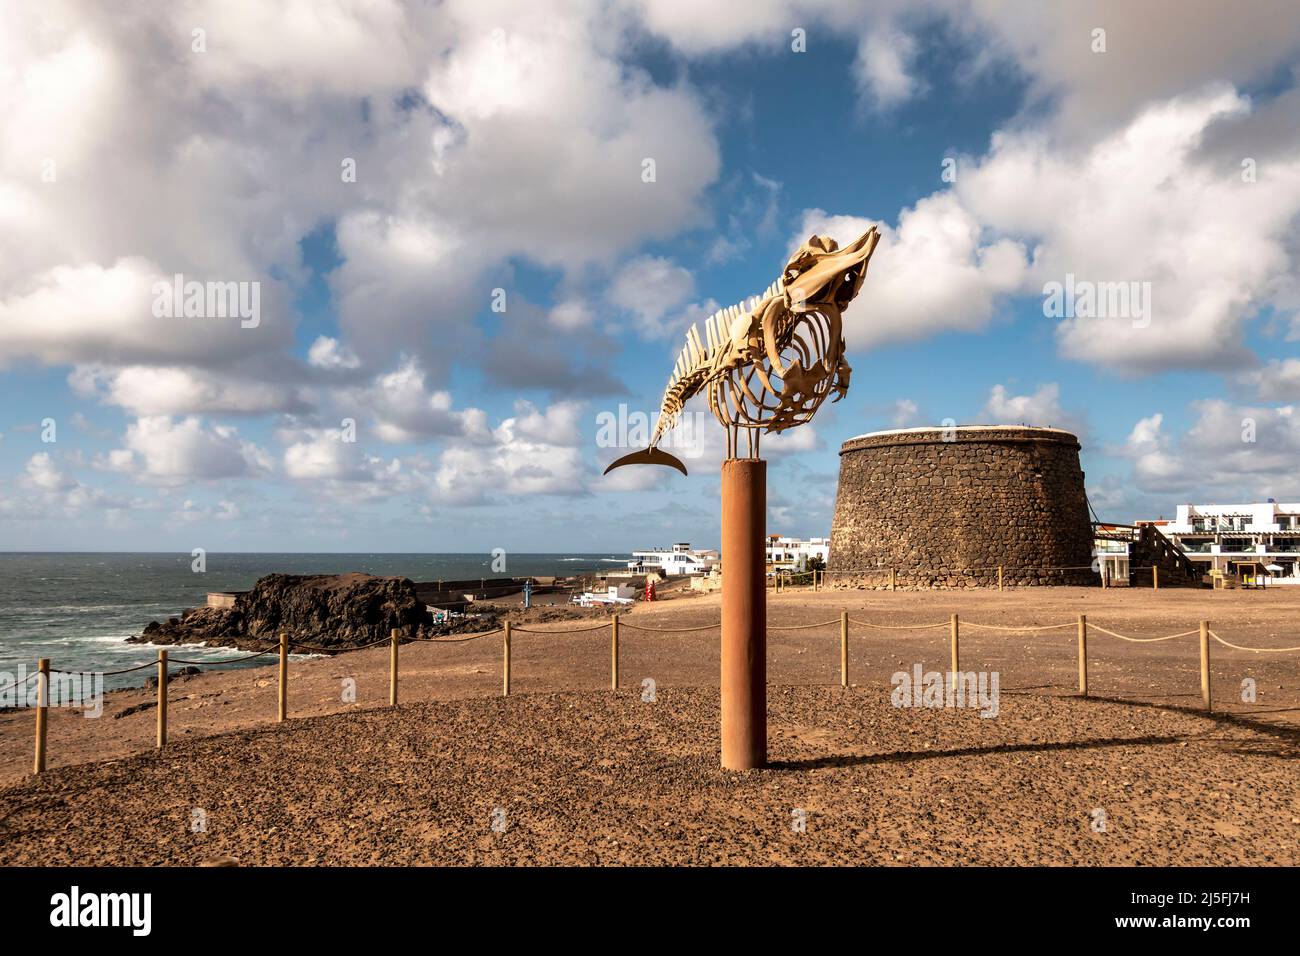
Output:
x=946 y=506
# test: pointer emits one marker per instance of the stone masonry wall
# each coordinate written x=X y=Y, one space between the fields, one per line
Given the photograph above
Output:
x=948 y=513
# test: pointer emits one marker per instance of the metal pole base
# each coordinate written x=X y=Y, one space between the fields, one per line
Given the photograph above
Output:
x=744 y=614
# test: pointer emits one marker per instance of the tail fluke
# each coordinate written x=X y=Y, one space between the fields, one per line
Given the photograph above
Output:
x=649 y=456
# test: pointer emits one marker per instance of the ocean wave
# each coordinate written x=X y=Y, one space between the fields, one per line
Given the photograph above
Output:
x=76 y=608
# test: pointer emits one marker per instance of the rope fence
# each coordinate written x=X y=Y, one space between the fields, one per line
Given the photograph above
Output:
x=1254 y=650
x=898 y=627
x=1012 y=627
x=671 y=630
x=971 y=568
x=799 y=627
x=449 y=640
x=784 y=578
x=615 y=624
x=567 y=630
x=1141 y=640
x=228 y=660
x=15 y=684
x=124 y=670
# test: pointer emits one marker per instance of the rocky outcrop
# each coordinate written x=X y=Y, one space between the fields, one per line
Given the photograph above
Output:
x=338 y=612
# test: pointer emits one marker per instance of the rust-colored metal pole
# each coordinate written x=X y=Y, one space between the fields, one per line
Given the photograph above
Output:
x=744 y=614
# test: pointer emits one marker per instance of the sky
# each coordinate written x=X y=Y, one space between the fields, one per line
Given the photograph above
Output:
x=469 y=235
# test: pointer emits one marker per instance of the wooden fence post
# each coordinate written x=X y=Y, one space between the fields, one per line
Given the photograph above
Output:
x=613 y=655
x=1155 y=577
x=893 y=579
x=844 y=648
x=42 y=711
x=505 y=663
x=955 y=668
x=999 y=577
x=162 y=699
x=1083 y=654
x=395 y=635
x=284 y=677
x=1205 y=665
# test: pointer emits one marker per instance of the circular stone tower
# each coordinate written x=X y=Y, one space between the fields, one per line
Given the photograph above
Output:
x=945 y=507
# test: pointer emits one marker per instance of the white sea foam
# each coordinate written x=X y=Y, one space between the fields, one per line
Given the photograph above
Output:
x=76 y=608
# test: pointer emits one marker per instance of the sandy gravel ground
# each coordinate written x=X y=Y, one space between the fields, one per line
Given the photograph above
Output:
x=605 y=778
x=1019 y=785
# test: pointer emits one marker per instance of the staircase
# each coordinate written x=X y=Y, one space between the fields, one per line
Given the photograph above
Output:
x=1152 y=549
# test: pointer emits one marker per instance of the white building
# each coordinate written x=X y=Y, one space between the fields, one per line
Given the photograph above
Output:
x=1110 y=546
x=1241 y=538
x=614 y=594
x=679 y=559
x=781 y=552
x=794 y=553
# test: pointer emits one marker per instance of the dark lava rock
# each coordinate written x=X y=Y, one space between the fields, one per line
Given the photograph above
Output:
x=184 y=673
x=135 y=709
x=334 y=612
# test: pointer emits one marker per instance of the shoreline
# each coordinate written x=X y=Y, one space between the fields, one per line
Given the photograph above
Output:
x=80 y=608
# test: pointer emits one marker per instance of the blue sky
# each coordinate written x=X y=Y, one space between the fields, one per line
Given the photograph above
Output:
x=498 y=154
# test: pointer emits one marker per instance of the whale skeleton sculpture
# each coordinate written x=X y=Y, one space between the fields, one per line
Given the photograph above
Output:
x=769 y=362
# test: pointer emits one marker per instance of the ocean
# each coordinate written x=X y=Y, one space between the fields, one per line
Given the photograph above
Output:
x=77 y=608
